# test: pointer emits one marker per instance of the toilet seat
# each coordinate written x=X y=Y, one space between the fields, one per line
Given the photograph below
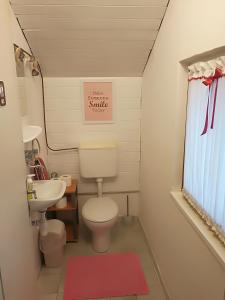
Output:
x=101 y=209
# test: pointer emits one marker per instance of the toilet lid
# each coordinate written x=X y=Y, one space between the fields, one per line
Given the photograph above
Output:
x=100 y=209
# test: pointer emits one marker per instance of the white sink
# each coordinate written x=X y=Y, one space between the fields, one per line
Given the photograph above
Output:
x=48 y=193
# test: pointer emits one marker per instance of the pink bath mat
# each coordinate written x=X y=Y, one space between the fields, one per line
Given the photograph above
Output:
x=107 y=275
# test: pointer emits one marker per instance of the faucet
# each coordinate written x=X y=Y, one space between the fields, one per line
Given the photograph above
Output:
x=34 y=193
x=37 y=168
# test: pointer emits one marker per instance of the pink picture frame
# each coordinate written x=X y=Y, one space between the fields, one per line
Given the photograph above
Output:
x=98 y=102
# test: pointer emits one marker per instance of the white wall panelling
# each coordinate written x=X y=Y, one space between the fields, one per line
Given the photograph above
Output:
x=91 y=38
x=66 y=128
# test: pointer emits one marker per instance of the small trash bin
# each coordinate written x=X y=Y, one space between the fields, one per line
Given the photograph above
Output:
x=52 y=245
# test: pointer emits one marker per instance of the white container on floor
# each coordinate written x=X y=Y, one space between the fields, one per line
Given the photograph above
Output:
x=52 y=245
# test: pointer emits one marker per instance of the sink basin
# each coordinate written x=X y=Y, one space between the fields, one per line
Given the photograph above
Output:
x=48 y=193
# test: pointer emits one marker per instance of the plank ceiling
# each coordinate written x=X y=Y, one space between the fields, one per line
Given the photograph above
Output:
x=81 y=38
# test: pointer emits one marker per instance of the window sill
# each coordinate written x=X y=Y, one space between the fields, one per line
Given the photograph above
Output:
x=206 y=235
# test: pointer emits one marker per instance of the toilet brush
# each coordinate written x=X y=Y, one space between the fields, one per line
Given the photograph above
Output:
x=128 y=218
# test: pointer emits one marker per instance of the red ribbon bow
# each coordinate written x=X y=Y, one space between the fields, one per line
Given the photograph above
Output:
x=208 y=82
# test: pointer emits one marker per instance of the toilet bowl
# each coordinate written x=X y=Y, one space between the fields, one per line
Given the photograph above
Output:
x=99 y=215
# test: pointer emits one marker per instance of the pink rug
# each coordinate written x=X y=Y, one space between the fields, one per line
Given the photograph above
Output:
x=107 y=275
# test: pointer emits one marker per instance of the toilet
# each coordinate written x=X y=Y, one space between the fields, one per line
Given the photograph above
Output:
x=99 y=161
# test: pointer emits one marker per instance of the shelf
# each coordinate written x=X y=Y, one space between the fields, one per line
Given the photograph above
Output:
x=31 y=132
x=71 y=210
x=72 y=188
x=68 y=207
x=69 y=191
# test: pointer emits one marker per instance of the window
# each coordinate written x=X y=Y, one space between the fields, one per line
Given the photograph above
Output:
x=204 y=163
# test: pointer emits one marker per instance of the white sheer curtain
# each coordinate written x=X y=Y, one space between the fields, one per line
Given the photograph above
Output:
x=204 y=165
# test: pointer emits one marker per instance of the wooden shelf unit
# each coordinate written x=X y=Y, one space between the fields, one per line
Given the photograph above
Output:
x=68 y=207
x=69 y=232
x=72 y=226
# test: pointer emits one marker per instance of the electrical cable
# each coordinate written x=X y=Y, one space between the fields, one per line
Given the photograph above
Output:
x=44 y=115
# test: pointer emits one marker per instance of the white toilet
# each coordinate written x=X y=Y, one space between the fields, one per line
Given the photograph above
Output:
x=98 y=161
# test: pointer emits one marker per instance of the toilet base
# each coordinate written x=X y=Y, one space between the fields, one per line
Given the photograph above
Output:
x=101 y=234
x=101 y=241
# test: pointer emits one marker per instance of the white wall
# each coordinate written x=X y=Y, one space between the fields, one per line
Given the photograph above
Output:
x=16 y=251
x=30 y=88
x=188 y=268
x=65 y=128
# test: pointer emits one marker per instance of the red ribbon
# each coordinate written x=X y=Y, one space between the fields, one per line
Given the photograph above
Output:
x=208 y=82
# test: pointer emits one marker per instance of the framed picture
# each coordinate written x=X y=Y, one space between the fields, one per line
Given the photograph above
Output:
x=2 y=94
x=98 y=102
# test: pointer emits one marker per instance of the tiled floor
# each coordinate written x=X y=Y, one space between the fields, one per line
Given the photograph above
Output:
x=126 y=236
